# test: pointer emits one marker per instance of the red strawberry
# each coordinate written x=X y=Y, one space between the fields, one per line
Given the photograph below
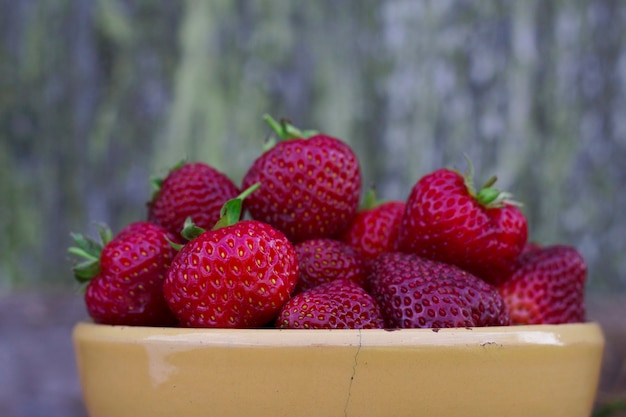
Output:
x=192 y=189
x=547 y=287
x=324 y=260
x=414 y=292
x=340 y=304
x=375 y=228
x=446 y=220
x=235 y=276
x=125 y=275
x=530 y=246
x=311 y=186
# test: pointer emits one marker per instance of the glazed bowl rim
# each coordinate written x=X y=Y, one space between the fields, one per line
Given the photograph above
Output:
x=520 y=335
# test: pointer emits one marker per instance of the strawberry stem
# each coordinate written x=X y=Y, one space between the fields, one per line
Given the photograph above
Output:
x=229 y=215
x=105 y=233
x=190 y=231
x=488 y=196
x=85 y=247
x=231 y=210
x=285 y=130
x=176 y=246
x=469 y=175
x=490 y=182
x=89 y=251
x=277 y=127
x=370 y=200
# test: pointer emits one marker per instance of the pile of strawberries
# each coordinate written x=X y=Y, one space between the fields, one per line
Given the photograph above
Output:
x=292 y=247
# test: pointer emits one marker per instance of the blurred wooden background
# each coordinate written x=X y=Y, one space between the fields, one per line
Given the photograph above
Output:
x=98 y=95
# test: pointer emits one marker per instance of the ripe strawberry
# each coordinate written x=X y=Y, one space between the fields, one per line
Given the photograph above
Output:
x=415 y=292
x=236 y=275
x=375 y=228
x=192 y=189
x=446 y=220
x=125 y=275
x=530 y=246
x=547 y=287
x=339 y=304
x=311 y=185
x=324 y=260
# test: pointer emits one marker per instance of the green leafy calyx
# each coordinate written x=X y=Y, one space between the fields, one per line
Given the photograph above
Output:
x=370 y=200
x=88 y=251
x=190 y=232
x=488 y=196
x=229 y=215
x=285 y=131
x=232 y=209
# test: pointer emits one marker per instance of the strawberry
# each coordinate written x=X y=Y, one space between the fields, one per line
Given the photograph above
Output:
x=375 y=228
x=125 y=275
x=237 y=275
x=447 y=220
x=311 y=184
x=415 y=292
x=530 y=246
x=339 y=304
x=323 y=260
x=191 y=189
x=547 y=287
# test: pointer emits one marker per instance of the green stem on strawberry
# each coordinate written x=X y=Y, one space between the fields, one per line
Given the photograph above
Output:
x=229 y=215
x=80 y=249
x=490 y=182
x=370 y=200
x=231 y=210
x=190 y=232
x=286 y=131
x=488 y=196
x=89 y=250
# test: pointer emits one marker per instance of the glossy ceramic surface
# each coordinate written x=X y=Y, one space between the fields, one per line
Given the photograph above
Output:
x=500 y=371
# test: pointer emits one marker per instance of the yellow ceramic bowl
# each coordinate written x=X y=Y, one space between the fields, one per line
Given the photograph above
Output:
x=536 y=371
